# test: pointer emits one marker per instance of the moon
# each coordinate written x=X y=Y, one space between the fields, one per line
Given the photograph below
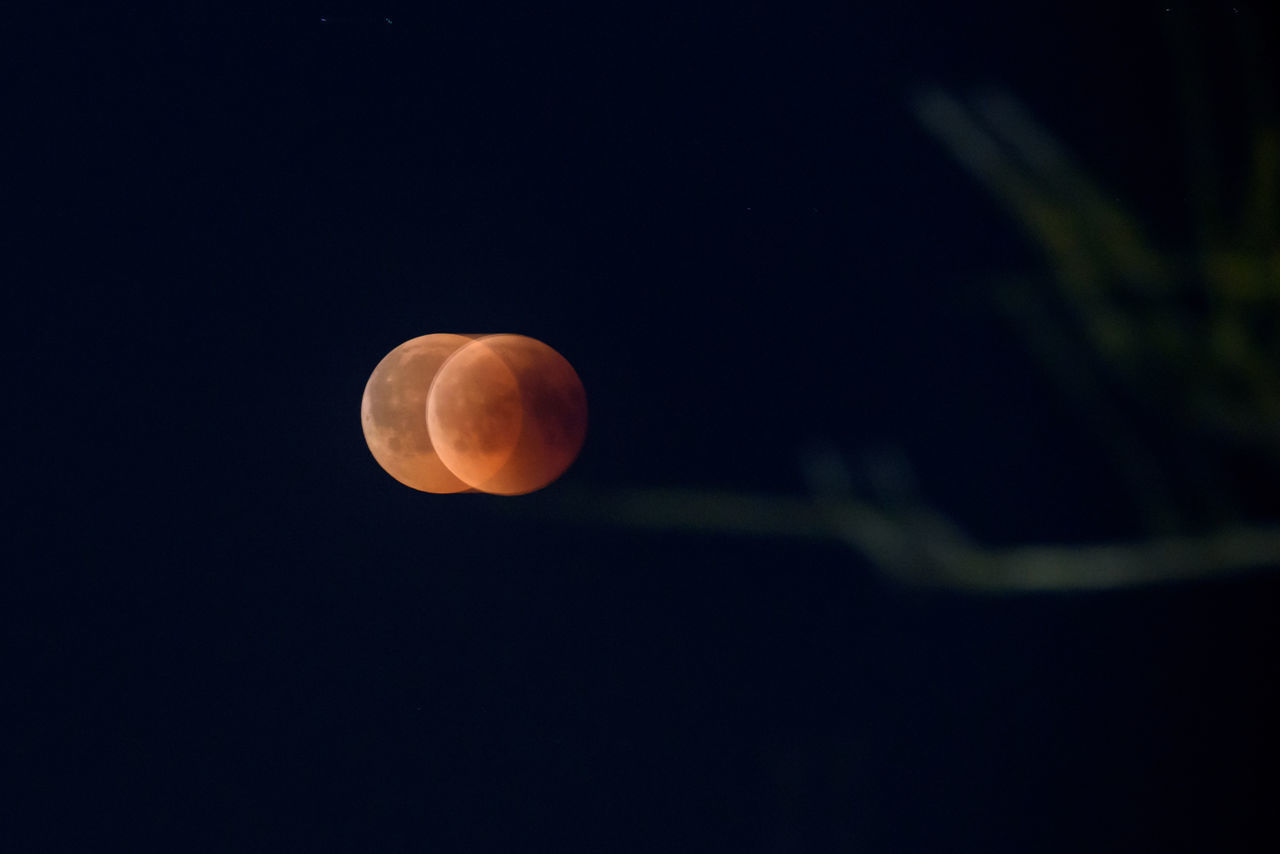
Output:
x=392 y=413
x=507 y=414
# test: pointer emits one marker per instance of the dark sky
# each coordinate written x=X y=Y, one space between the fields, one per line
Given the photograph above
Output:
x=233 y=631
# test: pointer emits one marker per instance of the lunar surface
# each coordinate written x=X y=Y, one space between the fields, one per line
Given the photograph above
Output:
x=392 y=413
x=506 y=414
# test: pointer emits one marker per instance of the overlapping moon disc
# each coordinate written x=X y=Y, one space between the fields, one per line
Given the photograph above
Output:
x=391 y=413
x=506 y=414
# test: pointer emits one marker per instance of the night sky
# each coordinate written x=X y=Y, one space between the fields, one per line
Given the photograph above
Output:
x=233 y=631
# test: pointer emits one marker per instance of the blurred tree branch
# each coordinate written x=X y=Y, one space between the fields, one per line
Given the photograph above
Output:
x=922 y=547
x=1172 y=360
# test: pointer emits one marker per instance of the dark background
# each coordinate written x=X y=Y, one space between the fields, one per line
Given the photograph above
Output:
x=233 y=631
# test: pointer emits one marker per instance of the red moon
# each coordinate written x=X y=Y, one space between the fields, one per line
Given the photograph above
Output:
x=506 y=414
x=391 y=413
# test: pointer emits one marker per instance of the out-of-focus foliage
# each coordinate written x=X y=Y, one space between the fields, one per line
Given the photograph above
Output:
x=1168 y=349
x=1144 y=340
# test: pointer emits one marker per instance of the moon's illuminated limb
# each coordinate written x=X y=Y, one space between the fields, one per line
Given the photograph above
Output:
x=391 y=413
x=507 y=414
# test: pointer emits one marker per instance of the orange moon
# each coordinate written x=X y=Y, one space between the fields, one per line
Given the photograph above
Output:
x=506 y=414
x=391 y=413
